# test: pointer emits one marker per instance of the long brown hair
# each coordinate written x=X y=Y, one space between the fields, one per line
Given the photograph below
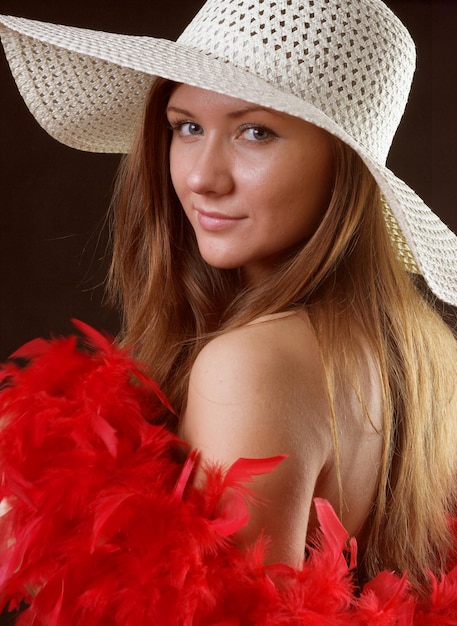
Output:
x=350 y=281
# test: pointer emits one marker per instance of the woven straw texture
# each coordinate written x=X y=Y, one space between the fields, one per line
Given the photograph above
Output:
x=345 y=65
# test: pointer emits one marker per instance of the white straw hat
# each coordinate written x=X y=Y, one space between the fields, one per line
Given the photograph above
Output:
x=344 y=65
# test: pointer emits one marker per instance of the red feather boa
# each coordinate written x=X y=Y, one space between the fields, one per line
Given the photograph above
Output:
x=103 y=526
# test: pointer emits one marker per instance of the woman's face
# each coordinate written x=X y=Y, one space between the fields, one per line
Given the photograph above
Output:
x=253 y=182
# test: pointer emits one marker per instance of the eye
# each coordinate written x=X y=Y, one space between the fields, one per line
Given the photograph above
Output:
x=185 y=128
x=255 y=132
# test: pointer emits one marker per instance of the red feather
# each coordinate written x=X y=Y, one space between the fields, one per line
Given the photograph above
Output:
x=104 y=526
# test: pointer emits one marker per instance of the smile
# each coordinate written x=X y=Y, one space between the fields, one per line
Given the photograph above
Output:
x=214 y=221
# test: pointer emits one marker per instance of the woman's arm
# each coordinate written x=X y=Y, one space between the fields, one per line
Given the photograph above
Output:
x=257 y=392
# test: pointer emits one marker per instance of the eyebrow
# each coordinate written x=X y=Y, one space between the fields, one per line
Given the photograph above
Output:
x=234 y=114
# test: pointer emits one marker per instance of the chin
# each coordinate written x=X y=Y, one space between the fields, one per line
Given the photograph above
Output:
x=220 y=263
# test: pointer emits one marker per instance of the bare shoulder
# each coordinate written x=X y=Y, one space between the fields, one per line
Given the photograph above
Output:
x=263 y=383
x=258 y=392
x=271 y=347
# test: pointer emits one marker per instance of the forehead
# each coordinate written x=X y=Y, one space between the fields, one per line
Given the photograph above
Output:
x=212 y=109
x=188 y=97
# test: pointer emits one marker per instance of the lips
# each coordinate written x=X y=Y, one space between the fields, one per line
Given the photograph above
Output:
x=214 y=221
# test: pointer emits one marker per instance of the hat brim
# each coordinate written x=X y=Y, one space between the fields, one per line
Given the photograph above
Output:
x=87 y=89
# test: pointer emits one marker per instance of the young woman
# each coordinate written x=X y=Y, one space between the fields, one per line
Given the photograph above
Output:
x=267 y=263
x=292 y=323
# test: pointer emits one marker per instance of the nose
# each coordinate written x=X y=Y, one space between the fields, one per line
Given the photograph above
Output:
x=211 y=170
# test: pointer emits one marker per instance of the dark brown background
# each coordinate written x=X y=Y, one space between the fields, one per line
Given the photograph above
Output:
x=53 y=255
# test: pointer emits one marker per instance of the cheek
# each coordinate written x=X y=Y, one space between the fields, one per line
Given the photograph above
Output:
x=317 y=178
x=308 y=191
x=177 y=173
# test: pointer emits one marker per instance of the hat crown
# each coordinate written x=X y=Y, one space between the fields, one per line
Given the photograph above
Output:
x=352 y=59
